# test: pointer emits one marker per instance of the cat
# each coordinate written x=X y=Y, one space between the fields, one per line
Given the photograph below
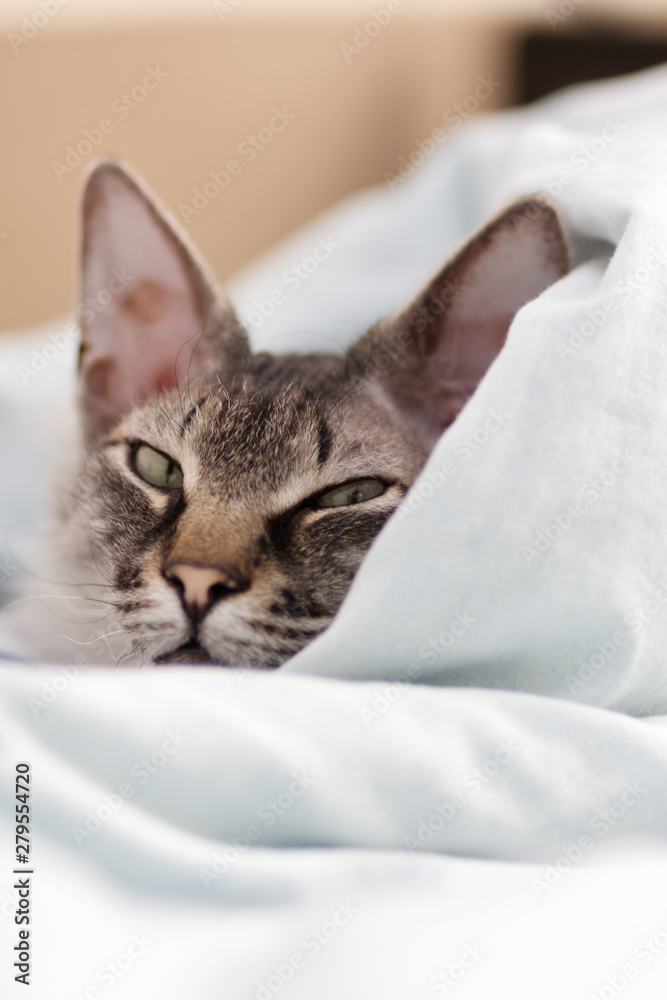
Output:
x=226 y=499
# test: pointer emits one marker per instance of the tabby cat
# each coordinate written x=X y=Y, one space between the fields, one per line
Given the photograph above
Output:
x=227 y=499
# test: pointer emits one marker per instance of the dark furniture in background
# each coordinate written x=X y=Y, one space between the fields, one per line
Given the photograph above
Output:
x=549 y=61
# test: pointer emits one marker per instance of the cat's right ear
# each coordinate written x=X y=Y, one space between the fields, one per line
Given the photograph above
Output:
x=150 y=317
x=430 y=357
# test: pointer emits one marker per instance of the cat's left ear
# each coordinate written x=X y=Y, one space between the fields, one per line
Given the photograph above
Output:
x=431 y=356
x=149 y=315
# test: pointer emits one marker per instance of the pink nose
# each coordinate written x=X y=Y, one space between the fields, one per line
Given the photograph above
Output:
x=201 y=586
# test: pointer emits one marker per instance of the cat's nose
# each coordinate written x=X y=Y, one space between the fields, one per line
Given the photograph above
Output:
x=200 y=587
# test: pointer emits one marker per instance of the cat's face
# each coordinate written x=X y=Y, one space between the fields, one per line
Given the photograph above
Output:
x=229 y=498
x=266 y=472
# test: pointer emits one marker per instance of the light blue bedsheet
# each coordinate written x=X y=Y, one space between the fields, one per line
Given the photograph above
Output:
x=460 y=788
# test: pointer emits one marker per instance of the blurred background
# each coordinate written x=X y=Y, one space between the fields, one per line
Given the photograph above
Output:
x=249 y=116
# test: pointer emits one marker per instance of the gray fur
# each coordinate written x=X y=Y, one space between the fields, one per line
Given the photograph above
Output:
x=251 y=453
x=257 y=437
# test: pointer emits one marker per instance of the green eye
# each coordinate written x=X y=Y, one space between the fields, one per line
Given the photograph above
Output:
x=350 y=493
x=156 y=468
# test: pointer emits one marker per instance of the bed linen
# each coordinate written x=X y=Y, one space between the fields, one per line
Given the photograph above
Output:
x=459 y=789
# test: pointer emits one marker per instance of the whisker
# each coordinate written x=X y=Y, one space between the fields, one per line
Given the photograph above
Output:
x=198 y=336
x=89 y=642
x=66 y=583
x=162 y=408
x=50 y=597
x=125 y=653
x=103 y=575
x=192 y=354
x=76 y=621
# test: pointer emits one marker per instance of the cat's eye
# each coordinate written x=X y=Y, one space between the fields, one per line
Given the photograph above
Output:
x=350 y=493
x=156 y=468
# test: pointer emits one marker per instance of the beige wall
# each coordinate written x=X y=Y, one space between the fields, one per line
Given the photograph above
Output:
x=223 y=82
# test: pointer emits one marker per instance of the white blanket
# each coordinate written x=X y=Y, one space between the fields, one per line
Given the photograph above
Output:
x=486 y=744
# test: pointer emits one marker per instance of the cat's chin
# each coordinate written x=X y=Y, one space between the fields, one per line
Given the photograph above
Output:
x=191 y=653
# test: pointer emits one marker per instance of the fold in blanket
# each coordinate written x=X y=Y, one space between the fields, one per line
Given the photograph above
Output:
x=539 y=519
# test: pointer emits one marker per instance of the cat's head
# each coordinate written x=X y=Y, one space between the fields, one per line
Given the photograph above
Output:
x=229 y=498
